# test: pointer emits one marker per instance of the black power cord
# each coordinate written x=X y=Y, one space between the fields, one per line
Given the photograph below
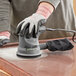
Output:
x=72 y=31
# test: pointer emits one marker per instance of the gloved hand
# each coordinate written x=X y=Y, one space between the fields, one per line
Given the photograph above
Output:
x=4 y=37
x=30 y=25
x=29 y=31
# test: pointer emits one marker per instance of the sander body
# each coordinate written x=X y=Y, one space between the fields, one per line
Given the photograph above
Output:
x=30 y=47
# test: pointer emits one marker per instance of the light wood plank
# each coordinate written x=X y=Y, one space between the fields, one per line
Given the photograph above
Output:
x=3 y=73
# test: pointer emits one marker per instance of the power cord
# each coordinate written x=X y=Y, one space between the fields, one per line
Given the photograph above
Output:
x=73 y=31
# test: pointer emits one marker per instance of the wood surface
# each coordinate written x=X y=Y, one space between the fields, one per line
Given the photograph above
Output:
x=3 y=73
x=48 y=64
x=74 y=2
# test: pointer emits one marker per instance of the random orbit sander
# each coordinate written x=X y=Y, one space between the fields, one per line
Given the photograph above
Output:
x=30 y=47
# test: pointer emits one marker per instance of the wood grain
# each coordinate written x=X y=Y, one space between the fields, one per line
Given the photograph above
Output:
x=74 y=1
x=3 y=73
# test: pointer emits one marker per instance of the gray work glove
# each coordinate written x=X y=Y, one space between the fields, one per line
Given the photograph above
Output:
x=3 y=40
x=30 y=26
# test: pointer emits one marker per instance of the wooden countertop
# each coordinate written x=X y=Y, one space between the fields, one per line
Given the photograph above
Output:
x=49 y=64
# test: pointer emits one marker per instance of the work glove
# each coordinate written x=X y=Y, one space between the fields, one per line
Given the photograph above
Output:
x=29 y=31
x=30 y=26
x=4 y=38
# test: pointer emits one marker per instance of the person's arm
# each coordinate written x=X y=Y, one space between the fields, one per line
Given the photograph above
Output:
x=4 y=21
x=45 y=9
x=47 y=6
x=52 y=2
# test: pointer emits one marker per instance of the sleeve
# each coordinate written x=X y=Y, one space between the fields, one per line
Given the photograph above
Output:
x=53 y=2
x=4 y=15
